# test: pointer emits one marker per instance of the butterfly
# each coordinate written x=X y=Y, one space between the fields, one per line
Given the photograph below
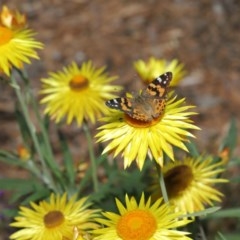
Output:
x=147 y=105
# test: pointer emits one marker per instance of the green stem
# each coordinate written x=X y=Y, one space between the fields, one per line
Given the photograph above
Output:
x=38 y=115
x=47 y=178
x=49 y=153
x=92 y=156
x=162 y=182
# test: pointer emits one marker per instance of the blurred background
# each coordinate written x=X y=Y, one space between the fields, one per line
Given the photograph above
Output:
x=203 y=35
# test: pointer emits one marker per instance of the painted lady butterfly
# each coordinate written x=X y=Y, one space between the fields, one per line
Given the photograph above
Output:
x=149 y=104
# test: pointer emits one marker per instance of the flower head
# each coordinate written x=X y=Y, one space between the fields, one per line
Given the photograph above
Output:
x=16 y=47
x=143 y=221
x=11 y=19
x=77 y=93
x=190 y=183
x=154 y=67
x=55 y=219
x=135 y=139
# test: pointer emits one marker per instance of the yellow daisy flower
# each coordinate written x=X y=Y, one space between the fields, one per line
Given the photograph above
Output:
x=16 y=47
x=154 y=67
x=190 y=183
x=55 y=219
x=143 y=221
x=12 y=19
x=77 y=93
x=136 y=139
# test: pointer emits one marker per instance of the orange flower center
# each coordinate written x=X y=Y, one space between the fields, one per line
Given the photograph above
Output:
x=78 y=82
x=140 y=124
x=177 y=180
x=53 y=219
x=5 y=35
x=136 y=225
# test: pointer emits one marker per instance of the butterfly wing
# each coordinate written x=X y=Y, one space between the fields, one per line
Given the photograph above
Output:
x=155 y=94
x=123 y=104
x=149 y=104
x=158 y=107
x=129 y=106
x=158 y=87
x=140 y=114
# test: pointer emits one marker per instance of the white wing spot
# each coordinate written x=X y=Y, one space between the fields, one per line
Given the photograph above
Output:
x=159 y=79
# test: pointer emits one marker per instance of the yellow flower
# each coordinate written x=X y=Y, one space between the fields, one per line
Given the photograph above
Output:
x=136 y=139
x=16 y=47
x=154 y=67
x=143 y=221
x=55 y=219
x=12 y=19
x=190 y=183
x=77 y=93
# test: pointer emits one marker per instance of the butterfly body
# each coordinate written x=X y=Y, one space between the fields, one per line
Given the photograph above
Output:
x=147 y=105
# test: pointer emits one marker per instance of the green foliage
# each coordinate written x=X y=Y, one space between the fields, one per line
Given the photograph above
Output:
x=230 y=140
x=226 y=213
x=46 y=174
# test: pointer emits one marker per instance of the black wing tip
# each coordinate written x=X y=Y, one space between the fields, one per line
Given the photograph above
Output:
x=107 y=102
x=112 y=103
x=166 y=75
x=169 y=74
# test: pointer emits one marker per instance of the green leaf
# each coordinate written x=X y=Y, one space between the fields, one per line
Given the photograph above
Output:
x=220 y=237
x=23 y=127
x=226 y=213
x=85 y=181
x=37 y=195
x=11 y=158
x=119 y=183
x=13 y=184
x=192 y=148
x=49 y=159
x=204 y=213
x=20 y=194
x=24 y=190
x=67 y=159
x=230 y=139
x=9 y=212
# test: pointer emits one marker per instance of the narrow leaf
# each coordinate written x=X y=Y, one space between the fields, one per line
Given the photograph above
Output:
x=230 y=213
x=16 y=184
x=11 y=159
x=204 y=212
x=192 y=148
x=67 y=158
x=230 y=139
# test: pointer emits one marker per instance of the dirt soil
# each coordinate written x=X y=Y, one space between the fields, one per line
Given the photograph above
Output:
x=204 y=35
